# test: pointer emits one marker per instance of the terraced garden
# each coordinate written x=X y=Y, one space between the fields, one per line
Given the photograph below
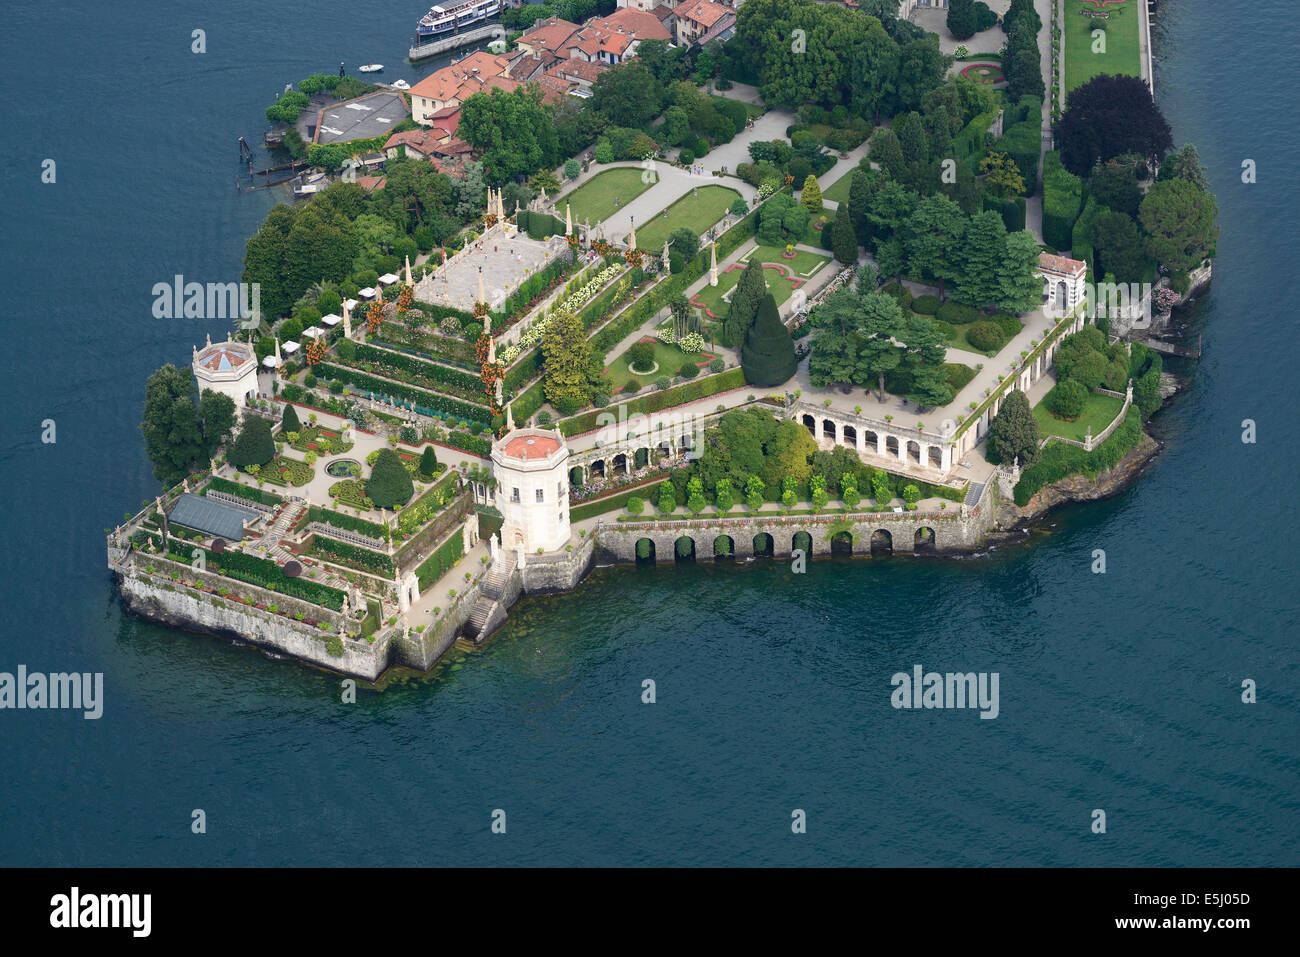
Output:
x=783 y=277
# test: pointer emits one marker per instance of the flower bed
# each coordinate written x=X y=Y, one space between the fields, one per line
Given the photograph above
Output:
x=983 y=72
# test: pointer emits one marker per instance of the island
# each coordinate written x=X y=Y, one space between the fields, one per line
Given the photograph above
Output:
x=715 y=307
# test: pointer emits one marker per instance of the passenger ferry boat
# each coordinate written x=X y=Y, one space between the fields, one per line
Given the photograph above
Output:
x=454 y=15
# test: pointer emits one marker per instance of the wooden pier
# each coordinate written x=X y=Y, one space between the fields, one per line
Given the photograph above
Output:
x=422 y=51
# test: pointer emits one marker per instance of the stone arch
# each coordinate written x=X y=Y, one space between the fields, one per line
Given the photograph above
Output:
x=891 y=446
x=850 y=436
x=842 y=543
x=914 y=451
x=1062 y=297
x=872 y=441
x=619 y=463
x=575 y=475
x=598 y=468
x=828 y=429
x=763 y=545
x=684 y=549
x=802 y=540
x=810 y=424
x=724 y=547
x=664 y=449
x=923 y=539
x=645 y=550
x=934 y=455
x=882 y=542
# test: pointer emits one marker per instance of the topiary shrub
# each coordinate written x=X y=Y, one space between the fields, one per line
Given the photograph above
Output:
x=631 y=387
x=641 y=355
x=663 y=382
x=689 y=370
x=717 y=365
x=985 y=336
x=389 y=484
x=1066 y=400
x=956 y=313
x=636 y=505
x=686 y=157
x=926 y=305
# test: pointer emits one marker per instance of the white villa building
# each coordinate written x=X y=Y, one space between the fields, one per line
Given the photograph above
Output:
x=530 y=466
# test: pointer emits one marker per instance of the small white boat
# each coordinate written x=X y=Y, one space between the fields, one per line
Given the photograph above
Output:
x=371 y=68
x=400 y=85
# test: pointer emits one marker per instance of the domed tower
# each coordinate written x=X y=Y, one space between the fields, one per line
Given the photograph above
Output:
x=532 y=489
x=229 y=368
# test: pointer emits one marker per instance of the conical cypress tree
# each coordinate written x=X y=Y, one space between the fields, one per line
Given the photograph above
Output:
x=389 y=483
x=289 y=421
x=844 y=243
x=428 y=460
x=768 y=354
x=253 y=445
x=745 y=301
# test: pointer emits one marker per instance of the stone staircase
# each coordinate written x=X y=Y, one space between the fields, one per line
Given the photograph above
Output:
x=488 y=613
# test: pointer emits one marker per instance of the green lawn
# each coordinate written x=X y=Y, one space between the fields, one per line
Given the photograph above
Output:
x=594 y=199
x=669 y=358
x=780 y=283
x=838 y=191
x=697 y=212
x=1122 y=54
x=1098 y=412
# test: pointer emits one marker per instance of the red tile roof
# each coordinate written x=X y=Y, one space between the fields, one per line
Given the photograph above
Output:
x=702 y=12
x=532 y=446
x=1061 y=265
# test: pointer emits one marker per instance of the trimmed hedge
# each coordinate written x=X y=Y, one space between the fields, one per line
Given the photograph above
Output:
x=1023 y=142
x=267 y=574
x=327 y=516
x=469 y=443
x=443 y=557
x=353 y=556
x=1081 y=237
x=525 y=406
x=243 y=491
x=432 y=401
x=1060 y=459
x=1062 y=201
x=431 y=371
x=658 y=401
x=438 y=346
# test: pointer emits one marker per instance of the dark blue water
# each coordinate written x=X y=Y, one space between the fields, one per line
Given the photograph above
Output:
x=1118 y=691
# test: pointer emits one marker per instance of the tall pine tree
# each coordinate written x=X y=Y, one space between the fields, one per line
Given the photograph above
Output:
x=745 y=301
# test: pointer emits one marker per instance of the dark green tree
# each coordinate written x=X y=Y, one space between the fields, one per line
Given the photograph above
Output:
x=685 y=242
x=254 y=444
x=216 y=419
x=1179 y=219
x=630 y=94
x=289 y=419
x=980 y=260
x=767 y=356
x=745 y=301
x=961 y=19
x=1185 y=164
x=1119 y=247
x=173 y=438
x=933 y=235
x=428 y=460
x=1114 y=185
x=389 y=484
x=880 y=323
x=1013 y=432
x=844 y=243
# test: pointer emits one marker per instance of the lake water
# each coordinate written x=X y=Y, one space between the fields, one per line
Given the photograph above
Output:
x=1118 y=691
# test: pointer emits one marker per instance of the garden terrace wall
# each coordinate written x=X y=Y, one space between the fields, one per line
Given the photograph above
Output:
x=239 y=490
x=348 y=523
x=457 y=349
x=441 y=559
x=454 y=515
x=658 y=401
x=396 y=357
x=158 y=599
x=444 y=486
x=426 y=402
